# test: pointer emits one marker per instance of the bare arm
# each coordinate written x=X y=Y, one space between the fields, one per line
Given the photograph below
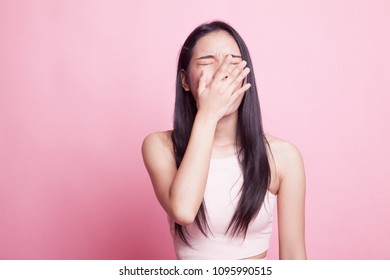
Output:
x=180 y=192
x=291 y=203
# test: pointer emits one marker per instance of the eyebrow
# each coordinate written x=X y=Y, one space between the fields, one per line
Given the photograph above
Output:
x=213 y=56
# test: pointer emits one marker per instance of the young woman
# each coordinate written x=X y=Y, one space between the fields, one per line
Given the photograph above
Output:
x=216 y=174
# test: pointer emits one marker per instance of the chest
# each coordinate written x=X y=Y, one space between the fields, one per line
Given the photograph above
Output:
x=222 y=197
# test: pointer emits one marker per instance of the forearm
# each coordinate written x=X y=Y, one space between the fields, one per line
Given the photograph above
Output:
x=187 y=189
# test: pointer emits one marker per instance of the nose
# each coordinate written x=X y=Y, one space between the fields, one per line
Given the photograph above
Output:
x=219 y=60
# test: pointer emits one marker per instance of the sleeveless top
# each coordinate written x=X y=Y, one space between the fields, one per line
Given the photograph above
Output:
x=221 y=198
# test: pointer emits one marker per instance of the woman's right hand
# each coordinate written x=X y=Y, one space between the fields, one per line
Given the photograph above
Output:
x=216 y=98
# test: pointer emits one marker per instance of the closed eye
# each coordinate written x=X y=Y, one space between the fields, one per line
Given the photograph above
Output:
x=236 y=61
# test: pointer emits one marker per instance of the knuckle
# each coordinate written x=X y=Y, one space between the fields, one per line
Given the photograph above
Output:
x=237 y=82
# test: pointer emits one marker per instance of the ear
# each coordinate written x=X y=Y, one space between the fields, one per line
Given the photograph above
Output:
x=184 y=81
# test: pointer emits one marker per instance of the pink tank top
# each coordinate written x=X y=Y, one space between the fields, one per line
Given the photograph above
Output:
x=221 y=198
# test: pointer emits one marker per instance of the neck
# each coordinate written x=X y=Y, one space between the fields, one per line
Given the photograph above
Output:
x=225 y=136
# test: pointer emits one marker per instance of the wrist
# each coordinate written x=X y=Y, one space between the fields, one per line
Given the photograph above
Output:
x=206 y=118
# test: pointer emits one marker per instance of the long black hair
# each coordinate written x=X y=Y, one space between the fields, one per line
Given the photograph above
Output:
x=252 y=148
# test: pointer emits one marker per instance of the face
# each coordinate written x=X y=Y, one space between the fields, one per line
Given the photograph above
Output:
x=207 y=55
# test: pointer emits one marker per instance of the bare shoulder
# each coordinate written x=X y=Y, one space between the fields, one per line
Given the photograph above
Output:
x=159 y=160
x=157 y=147
x=283 y=149
x=291 y=198
x=286 y=156
x=160 y=140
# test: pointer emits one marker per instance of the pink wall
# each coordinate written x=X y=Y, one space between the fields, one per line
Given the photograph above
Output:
x=82 y=82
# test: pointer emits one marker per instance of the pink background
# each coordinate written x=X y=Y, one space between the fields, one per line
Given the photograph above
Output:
x=83 y=82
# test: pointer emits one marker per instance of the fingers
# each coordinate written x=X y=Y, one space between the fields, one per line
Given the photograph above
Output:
x=223 y=70
x=218 y=93
x=235 y=71
x=231 y=73
x=237 y=76
x=229 y=78
x=241 y=90
x=239 y=93
x=202 y=82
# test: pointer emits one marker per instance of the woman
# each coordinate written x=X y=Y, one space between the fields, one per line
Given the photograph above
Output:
x=216 y=174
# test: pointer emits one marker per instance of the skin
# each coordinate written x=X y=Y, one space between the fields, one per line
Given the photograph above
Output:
x=217 y=80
